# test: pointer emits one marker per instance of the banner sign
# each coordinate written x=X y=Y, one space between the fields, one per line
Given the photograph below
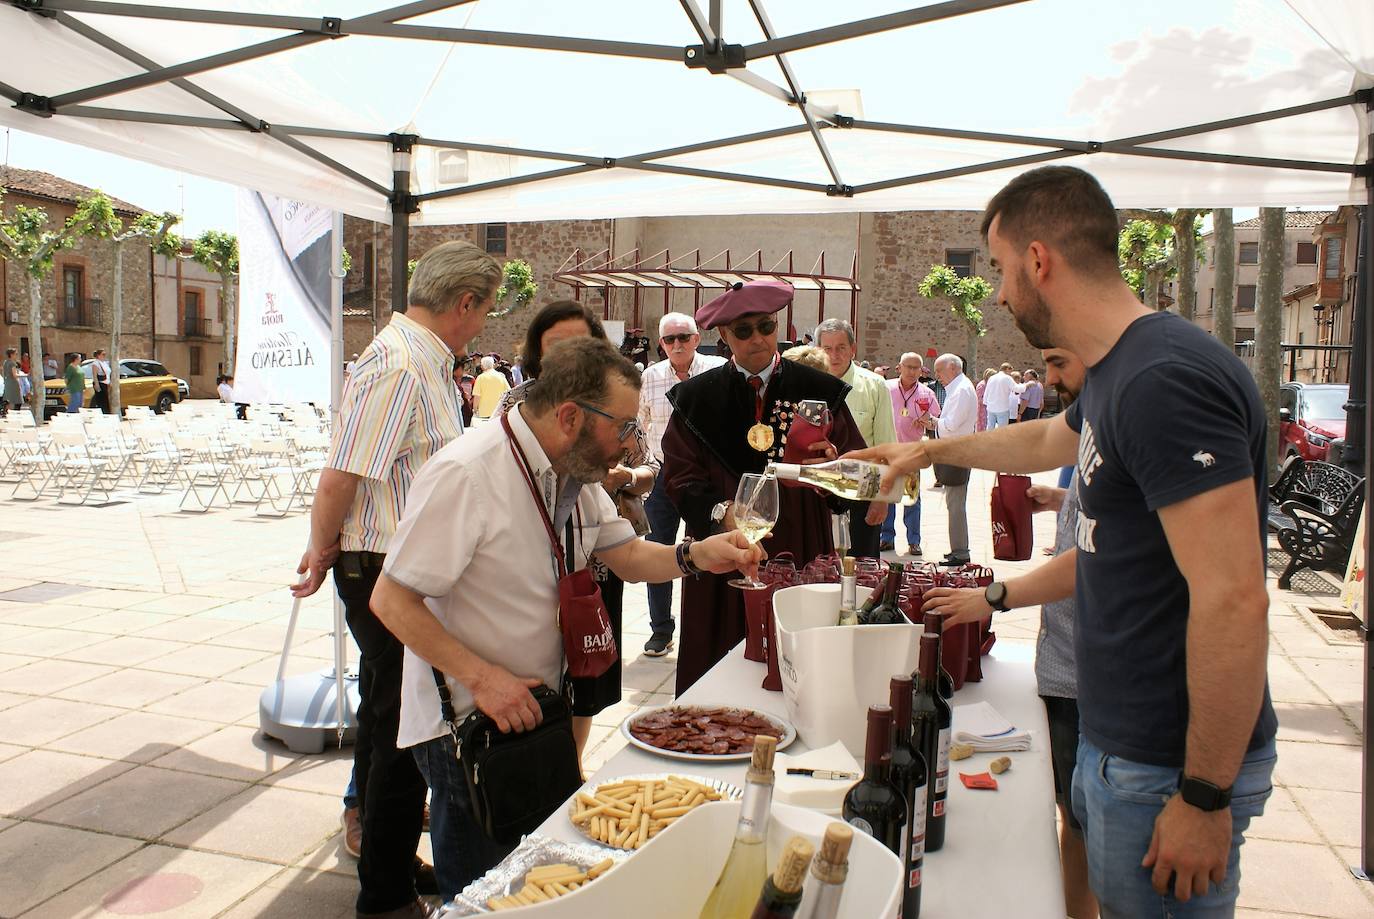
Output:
x=283 y=352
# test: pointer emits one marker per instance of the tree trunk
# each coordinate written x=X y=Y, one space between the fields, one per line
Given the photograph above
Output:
x=971 y=358
x=116 y=325
x=38 y=392
x=1269 y=322
x=1185 y=251
x=230 y=302
x=1224 y=297
x=1154 y=278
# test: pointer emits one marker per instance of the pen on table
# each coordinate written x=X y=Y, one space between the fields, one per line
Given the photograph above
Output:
x=828 y=774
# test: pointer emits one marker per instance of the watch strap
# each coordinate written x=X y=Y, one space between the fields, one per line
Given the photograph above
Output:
x=1202 y=794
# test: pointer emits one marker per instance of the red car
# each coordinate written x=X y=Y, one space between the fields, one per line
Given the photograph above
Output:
x=1311 y=415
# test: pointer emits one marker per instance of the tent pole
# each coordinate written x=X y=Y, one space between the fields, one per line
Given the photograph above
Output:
x=403 y=204
x=1364 y=309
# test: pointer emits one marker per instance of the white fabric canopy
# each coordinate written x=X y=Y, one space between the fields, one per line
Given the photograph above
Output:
x=1068 y=72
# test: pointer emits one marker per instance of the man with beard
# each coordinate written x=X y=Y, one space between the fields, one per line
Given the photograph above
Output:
x=470 y=585
x=1176 y=731
x=734 y=419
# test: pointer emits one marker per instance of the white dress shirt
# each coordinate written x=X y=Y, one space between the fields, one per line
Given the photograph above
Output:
x=960 y=414
x=997 y=391
x=654 y=408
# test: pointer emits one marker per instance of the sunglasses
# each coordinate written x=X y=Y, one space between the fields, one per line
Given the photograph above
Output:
x=682 y=337
x=626 y=427
x=745 y=331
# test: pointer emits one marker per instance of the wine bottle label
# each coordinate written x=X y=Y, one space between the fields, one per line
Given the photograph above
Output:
x=918 y=825
x=942 y=763
x=860 y=823
x=869 y=484
x=938 y=808
x=914 y=879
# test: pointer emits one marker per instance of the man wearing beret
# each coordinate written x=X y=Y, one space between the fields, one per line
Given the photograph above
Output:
x=734 y=419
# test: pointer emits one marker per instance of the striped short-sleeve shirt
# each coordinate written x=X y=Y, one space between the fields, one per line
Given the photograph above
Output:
x=399 y=408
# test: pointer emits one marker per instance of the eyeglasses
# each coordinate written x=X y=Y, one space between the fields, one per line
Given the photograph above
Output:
x=627 y=427
x=745 y=331
x=682 y=337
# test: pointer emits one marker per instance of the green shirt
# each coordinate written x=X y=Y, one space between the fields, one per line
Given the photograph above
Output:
x=871 y=405
x=76 y=380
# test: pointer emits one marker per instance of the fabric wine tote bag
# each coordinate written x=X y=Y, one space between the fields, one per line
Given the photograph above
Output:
x=1011 y=518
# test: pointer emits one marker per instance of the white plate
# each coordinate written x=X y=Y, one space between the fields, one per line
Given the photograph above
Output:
x=789 y=734
x=728 y=792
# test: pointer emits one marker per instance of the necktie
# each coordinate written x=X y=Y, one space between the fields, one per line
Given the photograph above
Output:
x=757 y=383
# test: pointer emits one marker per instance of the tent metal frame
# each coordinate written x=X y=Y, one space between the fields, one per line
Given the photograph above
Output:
x=716 y=56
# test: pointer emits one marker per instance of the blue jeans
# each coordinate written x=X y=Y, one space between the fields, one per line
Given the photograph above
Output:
x=1117 y=801
x=462 y=852
x=351 y=793
x=663 y=523
x=1065 y=476
x=911 y=516
x=74 y=402
x=998 y=420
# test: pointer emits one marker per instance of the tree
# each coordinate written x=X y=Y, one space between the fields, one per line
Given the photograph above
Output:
x=26 y=241
x=1187 y=225
x=1269 y=323
x=517 y=288
x=964 y=296
x=219 y=252
x=1156 y=246
x=104 y=223
x=1224 y=298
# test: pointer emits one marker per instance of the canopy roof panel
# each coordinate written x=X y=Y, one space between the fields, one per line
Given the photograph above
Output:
x=536 y=109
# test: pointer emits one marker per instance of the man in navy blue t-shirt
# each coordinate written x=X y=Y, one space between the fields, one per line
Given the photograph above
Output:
x=1177 y=731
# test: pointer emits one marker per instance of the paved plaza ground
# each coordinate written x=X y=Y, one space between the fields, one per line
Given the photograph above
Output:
x=135 y=641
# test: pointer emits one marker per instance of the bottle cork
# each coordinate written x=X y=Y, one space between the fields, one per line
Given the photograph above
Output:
x=791 y=870
x=847 y=566
x=761 y=764
x=832 y=862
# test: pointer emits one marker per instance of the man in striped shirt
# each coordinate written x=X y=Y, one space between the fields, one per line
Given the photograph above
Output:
x=399 y=408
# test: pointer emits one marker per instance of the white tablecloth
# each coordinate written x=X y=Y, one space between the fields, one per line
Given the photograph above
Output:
x=1001 y=854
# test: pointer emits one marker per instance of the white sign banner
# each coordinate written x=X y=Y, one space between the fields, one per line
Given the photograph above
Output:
x=283 y=352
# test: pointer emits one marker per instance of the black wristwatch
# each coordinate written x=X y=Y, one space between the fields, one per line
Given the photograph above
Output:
x=996 y=595
x=1202 y=794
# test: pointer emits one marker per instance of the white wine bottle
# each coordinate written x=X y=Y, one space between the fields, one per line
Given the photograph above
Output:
x=848 y=592
x=853 y=479
x=737 y=889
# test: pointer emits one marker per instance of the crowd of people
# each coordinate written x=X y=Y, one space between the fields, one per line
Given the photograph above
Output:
x=461 y=497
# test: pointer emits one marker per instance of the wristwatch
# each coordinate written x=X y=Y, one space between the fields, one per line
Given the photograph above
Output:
x=719 y=511
x=1202 y=794
x=996 y=595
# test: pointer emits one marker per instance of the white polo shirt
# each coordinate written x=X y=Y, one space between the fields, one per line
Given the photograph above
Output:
x=472 y=542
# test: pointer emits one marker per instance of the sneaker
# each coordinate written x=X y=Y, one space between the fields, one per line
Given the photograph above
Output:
x=914 y=551
x=886 y=546
x=352 y=823
x=658 y=645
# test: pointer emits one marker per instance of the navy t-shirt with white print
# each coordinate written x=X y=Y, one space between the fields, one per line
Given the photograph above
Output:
x=1168 y=414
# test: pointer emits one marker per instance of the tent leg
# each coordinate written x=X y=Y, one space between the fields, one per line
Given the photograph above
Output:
x=1365 y=310
x=403 y=204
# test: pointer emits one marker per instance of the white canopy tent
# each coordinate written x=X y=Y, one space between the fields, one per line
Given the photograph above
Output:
x=446 y=111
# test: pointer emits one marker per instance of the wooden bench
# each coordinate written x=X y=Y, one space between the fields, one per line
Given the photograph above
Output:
x=1314 y=508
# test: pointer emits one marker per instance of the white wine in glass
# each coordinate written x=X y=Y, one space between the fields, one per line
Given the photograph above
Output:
x=755 y=511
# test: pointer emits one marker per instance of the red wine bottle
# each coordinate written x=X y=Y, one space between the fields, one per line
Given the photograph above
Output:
x=874 y=805
x=782 y=892
x=886 y=612
x=931 y=717
x=935 y=624
x=909 y=775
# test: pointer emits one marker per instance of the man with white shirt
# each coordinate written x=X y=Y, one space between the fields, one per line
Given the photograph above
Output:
x=679 y=339
x=958 y=417
x=470 y=586
x=997 y=397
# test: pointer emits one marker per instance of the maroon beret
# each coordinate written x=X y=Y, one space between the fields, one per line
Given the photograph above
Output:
x=756 y=297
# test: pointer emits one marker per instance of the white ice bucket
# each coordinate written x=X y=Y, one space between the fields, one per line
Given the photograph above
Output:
x=831 y=674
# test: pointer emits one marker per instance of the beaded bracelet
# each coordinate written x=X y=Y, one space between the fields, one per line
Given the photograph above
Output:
x=684 y=560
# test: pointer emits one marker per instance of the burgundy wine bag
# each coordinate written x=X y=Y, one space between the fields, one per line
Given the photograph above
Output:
x=1011 y=518
x=810 y=425
x=588 y=641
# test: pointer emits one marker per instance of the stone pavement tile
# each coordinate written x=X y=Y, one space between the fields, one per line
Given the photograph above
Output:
x=44 y=720
x=266 y=638
x=1313 y=765
x=203 y=660
x=232 y=590
x=38 y=779
x=326 y=773
x=298 y=892
x=321 y=647
x=10 y=751
x=120 y=621
x=247 y=611
x=188 y=628
x=218 y=700
x=263 y=672
x=646 y=673
x=161 y=881
x=1322 y=723
x=129 y=688
x=10 y=661
x=1288 y=684
x=138 y=737
x=331 y=856
x=233 y=752
x=1312 y=645
x=51 y=858
x=274 y=824
x=595 y=759
x=124 y=651
x=1283 y=820
x=112 y=599
x=50 y=642
x=1270 y=868
x=180 y=604
x=1340 y=679
x=46 y=677
x=144 y=802
x=1335 y=813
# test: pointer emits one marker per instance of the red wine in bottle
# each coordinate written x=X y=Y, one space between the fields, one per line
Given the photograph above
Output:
x=931 y=719
x=782 y=892
x=874 y=805
x=909 y=775
x=886 y=612
x=935 y=624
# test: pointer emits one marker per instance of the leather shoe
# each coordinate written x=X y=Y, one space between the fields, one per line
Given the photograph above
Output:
x=426 y=884
x=885 y=546
x=951 y=560
x=352 y=823
x=416 y=909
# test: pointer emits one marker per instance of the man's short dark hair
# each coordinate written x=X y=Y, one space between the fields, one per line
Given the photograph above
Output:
x=580 y=370
x=1063 y=207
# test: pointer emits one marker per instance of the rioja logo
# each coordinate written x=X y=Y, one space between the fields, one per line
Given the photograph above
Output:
x=271 y=315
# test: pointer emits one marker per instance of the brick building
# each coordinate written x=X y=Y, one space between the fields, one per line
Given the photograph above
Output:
x=189 y=340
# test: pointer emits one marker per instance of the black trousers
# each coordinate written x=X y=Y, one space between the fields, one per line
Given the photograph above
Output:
x=391 y=790
x=863 y=539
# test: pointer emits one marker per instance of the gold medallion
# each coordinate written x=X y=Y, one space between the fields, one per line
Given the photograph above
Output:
x=905 y=413
x=761 y=437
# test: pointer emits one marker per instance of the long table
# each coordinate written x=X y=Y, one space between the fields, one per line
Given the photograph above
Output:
x=1001 y=854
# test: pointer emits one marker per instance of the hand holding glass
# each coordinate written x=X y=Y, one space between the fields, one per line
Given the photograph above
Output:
x=755 y=511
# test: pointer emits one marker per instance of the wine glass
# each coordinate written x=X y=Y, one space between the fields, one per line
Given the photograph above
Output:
x=755 y=510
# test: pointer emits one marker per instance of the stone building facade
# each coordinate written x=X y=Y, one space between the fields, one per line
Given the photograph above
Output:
x=189 y=339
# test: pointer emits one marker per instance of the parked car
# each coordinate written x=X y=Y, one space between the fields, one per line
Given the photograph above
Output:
x=141 y=382
x=1311 y=415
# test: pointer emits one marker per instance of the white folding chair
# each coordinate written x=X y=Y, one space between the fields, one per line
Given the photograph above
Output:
x=31 y=464
x=202 y=467
x=77 y=468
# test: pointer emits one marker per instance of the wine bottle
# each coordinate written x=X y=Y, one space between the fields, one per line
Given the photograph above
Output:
x=909 y=775
x=737 y=888
x=874 y=805
x=934 y=623
x=782 y=893
x=848 y=592
x=931 y=721
x=853 y=479
x=886 y=611
x=828 y=871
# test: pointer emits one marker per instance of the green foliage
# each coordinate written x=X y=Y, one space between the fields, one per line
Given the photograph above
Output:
x=157 y=229
x=26 y=240
x=96 y=213
x=346 y=262
x=964 y=295
x=1145 y=246
x=517 y=287
x=410 y=268
x=217 y=251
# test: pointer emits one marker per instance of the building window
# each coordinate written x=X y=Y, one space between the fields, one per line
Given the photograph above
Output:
x=195 y=360
x=73 y=295
x=1245 y=297
x=1307 y=253
x=369 y=257
x=1244 y=334
x=1331 y=257
x=496 y=239
x=192 y=304
x=961 y=260
x=1249 y=253
x=1211 y=298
